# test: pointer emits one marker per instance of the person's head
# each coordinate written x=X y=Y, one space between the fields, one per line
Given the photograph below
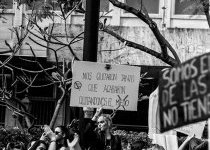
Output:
x=104 y=122
x=37 y=145
x=157 y=147
x=41 y=147
x=61 y=132
x=138 y=145
x=15 y=146
x=88 y=112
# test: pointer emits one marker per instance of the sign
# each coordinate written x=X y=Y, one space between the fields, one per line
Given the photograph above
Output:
x=108 y=86
x=185 y=93
x=169 y=142
x=153 y=114
x=193 y=129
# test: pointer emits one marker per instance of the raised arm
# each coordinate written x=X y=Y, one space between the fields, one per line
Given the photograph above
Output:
x=185 y=143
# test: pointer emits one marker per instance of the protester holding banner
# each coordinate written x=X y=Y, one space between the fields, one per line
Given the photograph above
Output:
x=103 y=137
x=88 y=115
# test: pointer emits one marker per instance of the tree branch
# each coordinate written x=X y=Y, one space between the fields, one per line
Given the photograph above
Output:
x=152 y=25
x=58 y=106
x=167 y=60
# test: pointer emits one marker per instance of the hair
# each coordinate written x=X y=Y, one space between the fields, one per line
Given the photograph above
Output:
x=138 y=145
x=36 y=144
x=15 y=145
x=157 y=147
x=65 y=131
x=107 y=118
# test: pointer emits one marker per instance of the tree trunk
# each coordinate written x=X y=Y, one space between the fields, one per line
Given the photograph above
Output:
x=58 y=106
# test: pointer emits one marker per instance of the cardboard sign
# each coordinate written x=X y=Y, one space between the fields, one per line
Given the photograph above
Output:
x=108 y=86
x=185 y=93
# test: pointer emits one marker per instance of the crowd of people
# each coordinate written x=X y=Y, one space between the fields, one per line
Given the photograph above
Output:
x=97 y=135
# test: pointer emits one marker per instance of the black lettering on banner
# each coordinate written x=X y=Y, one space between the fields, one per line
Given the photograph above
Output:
x=95 y=101
x=184 y=94
x=87 y=76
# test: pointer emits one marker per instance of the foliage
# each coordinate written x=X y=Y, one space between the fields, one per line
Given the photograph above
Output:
x=133 y=137
x=13 y=135
x=65 y=5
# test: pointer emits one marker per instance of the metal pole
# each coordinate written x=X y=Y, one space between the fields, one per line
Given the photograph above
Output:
x=90 y=43
x=91 y=30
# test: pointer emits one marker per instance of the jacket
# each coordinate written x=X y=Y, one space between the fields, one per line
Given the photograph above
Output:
x=96 y=140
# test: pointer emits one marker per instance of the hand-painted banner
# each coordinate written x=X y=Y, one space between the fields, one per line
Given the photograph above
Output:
x=185 y=93
x=108 y=86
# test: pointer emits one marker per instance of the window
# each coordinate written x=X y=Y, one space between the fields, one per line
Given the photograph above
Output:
x=38 y=5
x=42 y=109
x=186 y=8
x=6 y=4
x=104 y=5
x=152 y=6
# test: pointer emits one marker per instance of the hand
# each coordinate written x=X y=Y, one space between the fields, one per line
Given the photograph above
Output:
x=49 y=133
x=74 y=142
x=98 y=111
x=47 y=129
x=43 y=137
x=97 y=114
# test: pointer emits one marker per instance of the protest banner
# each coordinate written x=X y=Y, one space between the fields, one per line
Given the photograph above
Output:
x=184 y=93
x=103 y=85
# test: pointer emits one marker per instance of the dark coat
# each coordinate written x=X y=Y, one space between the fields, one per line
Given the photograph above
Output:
x=96 y=140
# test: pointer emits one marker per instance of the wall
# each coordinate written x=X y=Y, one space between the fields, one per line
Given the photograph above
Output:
x=187 y=43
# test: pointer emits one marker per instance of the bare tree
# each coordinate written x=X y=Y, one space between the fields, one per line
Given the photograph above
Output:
x=59 y=74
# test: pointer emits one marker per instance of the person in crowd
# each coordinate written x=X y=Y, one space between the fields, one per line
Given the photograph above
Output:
x=15 y=146
x=88 y=115
x=193 y=143
x=137 y=145
x=102 y=138
x=61 y=139
x=15 y=140
x=41 y=144
x=157 y=147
